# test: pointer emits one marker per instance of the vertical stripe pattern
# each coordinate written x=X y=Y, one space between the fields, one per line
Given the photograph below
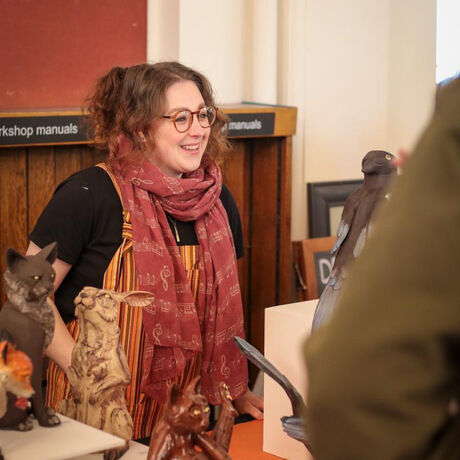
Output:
x=120 y=276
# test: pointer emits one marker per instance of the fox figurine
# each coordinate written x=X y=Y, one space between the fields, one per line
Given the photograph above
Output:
x=15 y=373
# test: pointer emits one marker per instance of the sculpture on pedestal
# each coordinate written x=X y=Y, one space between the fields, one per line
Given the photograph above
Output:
x=354 y=227
x=99 y=372
x=28 y=319
x=184 y=423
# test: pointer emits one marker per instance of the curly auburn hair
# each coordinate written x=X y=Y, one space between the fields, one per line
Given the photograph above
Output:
x=127 y=100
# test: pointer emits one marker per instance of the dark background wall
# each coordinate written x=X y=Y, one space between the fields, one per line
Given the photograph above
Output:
x=52 y=51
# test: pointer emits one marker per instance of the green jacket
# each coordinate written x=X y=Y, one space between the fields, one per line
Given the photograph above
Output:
x=384 y=374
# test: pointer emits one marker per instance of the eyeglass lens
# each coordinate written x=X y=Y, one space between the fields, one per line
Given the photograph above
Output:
x=206 y=117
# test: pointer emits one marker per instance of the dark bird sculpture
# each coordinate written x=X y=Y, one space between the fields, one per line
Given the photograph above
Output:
x=354 y=227
x=294 y=426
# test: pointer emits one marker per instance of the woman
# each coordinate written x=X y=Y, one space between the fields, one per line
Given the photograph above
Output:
x=154 y=217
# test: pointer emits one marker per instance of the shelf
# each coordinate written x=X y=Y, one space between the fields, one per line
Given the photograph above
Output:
x=68 y=440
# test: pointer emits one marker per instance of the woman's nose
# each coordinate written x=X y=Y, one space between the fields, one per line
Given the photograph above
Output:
x=196 y=129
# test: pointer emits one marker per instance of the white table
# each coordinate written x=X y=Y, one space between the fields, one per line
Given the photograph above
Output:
x=70 y=439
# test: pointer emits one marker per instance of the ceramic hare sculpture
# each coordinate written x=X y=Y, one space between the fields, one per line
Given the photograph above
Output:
x=99 y=372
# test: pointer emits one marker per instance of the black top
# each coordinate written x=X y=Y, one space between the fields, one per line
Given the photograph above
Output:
x=85 y=217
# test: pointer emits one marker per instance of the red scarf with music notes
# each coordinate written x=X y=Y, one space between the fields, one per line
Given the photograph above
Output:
x=172 y=321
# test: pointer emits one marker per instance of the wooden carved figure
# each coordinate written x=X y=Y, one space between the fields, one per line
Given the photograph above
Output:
x=29 y=320
x=99 y=372
x=184 y=423
x=15 y=375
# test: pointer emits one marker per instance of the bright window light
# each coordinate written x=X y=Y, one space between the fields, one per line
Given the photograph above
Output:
x=447 y=39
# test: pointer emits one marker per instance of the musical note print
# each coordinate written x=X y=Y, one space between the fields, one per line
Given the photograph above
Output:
x=164 y=275
x=224 y=369
x=156 y=332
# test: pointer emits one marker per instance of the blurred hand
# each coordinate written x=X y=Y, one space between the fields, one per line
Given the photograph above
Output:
x=401 y=159
x=251 y=404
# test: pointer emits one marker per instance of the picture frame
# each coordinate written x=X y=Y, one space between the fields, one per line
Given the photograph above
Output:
x=325 y=204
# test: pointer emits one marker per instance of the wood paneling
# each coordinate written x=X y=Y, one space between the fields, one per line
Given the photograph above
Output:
x=41 y=181
x=28 y=178
x=236 y=173
x=284 y=220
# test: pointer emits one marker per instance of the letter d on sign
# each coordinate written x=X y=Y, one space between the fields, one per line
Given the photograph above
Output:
x=325 y=267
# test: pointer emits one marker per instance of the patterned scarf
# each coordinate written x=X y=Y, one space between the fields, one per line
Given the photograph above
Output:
x=175 y=326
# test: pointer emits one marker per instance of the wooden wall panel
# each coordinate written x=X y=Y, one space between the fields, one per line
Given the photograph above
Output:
x=264 y=222
x=41 y=181
x=236 y=174
x=90 y=156
x=28 y=178
x=66 y=164
x=285 y=185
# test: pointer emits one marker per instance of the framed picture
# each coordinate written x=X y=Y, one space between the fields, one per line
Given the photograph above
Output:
x=325 y=205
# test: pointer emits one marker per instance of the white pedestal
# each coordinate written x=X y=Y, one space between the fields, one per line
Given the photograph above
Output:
x=286 y=328
x=70 y=439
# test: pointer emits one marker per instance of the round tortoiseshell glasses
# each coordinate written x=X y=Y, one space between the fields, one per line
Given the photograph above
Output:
x=183 y=119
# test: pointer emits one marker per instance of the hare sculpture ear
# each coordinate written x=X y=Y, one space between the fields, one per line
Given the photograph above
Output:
x=49 y=252
x=137 y=298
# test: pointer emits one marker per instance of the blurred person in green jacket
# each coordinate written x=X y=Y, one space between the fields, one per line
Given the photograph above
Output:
x=384 y=373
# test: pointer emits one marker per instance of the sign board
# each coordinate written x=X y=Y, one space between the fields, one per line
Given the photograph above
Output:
x=250 y=124
x=38 y=130
x=71 y=129
x=323 y=267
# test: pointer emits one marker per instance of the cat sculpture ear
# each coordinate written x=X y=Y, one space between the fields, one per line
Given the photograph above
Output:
x=194 y=386
x=13 y=256
x=174 y=393
x=49 y=252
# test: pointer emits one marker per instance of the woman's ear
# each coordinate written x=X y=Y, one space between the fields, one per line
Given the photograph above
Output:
x=142 y=137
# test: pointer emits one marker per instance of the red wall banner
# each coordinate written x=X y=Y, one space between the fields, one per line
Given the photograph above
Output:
x=52 y=51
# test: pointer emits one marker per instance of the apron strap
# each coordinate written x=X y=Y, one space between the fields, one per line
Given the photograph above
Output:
x=107 y=169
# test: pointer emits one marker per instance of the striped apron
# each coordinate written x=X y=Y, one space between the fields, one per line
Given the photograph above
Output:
x=120 y=277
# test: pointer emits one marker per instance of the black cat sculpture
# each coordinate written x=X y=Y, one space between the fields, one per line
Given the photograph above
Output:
x=28 y=318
